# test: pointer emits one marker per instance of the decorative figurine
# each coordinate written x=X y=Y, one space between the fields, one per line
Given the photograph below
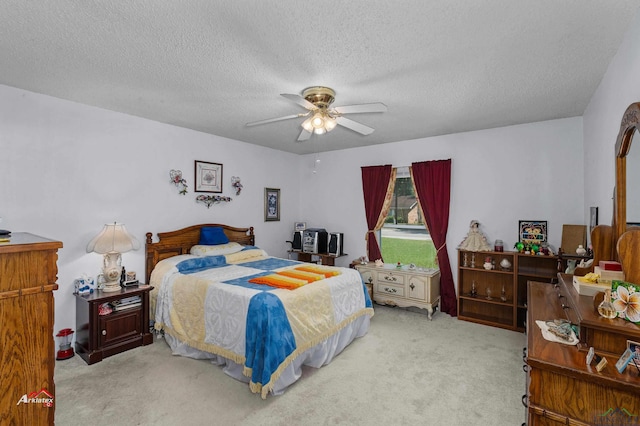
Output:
x=475 y=240
x=235 y=182
x=505 y=264
x=179 y=181
x=488 y=264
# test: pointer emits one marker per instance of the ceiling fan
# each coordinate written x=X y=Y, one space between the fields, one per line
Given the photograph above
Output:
x=321 y=117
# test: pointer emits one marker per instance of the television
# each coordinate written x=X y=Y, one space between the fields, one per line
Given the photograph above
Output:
x=314 y=240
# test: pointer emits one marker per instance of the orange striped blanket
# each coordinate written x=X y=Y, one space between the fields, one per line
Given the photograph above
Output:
x=291 y=279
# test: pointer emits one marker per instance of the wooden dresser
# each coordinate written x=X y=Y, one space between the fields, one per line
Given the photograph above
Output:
x=561 y=388
x=28 y=274
x=403 y=286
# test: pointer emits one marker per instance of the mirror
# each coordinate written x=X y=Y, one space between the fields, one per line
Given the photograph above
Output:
x=628 y=127
x=633 y=176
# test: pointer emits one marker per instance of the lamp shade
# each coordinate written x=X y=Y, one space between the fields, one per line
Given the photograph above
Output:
x=114 y=238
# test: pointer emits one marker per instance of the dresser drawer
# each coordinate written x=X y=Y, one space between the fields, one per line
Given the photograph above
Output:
x=390 y=289
x=389 y=277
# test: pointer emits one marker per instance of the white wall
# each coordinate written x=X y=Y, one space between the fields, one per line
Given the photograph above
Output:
x=67 y=169
x=618 y=89
x=499 y=176
x=70 y=168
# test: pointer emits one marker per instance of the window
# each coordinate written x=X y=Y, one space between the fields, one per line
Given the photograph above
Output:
x=404 y=237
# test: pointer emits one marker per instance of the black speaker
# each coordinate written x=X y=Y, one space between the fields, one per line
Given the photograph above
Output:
x=296 y=244
x=336 y=241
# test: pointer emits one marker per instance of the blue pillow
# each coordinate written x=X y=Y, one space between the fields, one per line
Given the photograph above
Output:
x=213 y=235
x=191 y=266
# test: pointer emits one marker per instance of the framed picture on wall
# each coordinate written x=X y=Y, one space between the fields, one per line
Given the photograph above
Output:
x=593 y=221
x=271 y=205
x=208 y=177
x=532 y=231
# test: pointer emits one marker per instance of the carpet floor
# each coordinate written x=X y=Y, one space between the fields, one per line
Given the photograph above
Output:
x=406 y=371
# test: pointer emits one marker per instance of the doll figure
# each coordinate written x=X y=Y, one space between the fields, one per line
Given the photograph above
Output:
x=475 y=240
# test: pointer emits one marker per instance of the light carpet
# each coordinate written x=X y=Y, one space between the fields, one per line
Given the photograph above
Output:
x=406 y=371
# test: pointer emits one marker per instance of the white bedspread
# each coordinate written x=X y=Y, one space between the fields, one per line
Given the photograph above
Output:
x=205 y=313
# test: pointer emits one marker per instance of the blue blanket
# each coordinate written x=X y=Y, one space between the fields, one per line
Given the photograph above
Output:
x=269 y=337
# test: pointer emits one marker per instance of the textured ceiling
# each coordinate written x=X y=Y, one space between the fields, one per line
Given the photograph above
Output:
x=440 y=66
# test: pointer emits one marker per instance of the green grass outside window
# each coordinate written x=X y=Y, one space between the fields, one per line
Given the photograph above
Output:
x=422 y=253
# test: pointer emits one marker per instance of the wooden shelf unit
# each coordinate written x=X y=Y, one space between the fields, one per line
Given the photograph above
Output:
x=510 y=313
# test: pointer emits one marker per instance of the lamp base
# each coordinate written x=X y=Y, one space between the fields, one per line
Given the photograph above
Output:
x=112 y=287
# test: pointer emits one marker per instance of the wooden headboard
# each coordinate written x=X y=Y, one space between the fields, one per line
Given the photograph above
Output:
x=178 y=242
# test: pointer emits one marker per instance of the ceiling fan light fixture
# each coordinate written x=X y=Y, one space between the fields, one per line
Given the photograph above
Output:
x=318 y=120
x=320 y=117
x=330 y=123
x=306 y=124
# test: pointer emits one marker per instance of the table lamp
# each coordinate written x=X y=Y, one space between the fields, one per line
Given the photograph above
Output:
x=110 y=242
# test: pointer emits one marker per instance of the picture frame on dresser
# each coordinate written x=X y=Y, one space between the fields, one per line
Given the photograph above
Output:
x=208 y=177
x=624 y=360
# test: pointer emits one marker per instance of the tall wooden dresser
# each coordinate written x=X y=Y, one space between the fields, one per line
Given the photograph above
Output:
x=28 y=274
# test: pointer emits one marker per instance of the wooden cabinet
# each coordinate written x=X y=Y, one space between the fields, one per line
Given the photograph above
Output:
x=100 y=336
x=532 y=268
x=500 y=297
x=403 y=286
x=562 y=388
x=28 y=274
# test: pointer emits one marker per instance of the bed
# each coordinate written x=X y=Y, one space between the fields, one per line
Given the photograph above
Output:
x=217 y=296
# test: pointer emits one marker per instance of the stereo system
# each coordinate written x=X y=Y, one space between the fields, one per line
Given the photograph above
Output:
x=336 y=243
x=318 y=240
x=314 y=240
x=296 y=244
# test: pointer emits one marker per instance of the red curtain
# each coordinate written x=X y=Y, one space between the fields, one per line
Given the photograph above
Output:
x=432 y=180
x=375 y=181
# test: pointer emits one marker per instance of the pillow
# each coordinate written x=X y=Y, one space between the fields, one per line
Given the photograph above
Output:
x=212 y=235
x=217 y=250
x=197 y=264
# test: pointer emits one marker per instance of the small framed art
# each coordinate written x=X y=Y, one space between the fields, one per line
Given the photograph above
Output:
x=208 y=177
x=532 y=231
x=271 y=205
x=624 y=360
x=593 y=219
x=299 y=226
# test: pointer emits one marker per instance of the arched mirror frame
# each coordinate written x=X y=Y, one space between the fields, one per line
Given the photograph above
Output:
x=628 y=126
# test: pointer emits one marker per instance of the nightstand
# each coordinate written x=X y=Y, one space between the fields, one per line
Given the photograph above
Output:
x=100 y=336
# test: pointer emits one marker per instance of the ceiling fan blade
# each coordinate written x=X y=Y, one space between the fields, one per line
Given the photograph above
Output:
x=299 y=100
x=355 y=126
x=271 y=120
x=304 y=135
x=355 y=109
